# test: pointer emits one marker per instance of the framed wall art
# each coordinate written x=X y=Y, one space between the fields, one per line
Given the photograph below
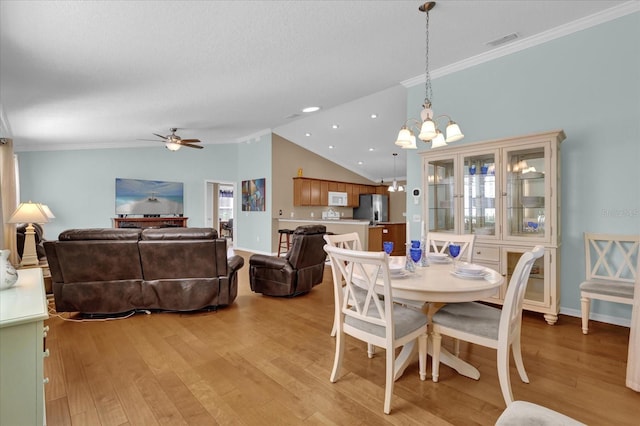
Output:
x=253 y=193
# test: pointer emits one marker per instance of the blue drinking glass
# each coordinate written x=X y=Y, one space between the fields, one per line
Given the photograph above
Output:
x=416 y=254
x=454 y=250
x=387 y=246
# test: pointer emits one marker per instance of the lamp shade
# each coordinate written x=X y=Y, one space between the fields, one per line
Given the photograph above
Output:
x=428 y=130
x=47 y=211
x=412 y=145
x=438 y=141
x=453 y=132
x=404 y=137
x=29 y=213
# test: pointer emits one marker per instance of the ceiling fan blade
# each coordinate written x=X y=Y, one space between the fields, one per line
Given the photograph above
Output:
x=160 y=136
x=151 y=140
x=191 y=140
x=190 y=145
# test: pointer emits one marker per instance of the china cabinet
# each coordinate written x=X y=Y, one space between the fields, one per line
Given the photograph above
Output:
x=507 y=193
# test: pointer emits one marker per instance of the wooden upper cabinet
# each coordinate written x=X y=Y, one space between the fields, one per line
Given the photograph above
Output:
x=324 y=193
x=382 y=190
x=315 y=192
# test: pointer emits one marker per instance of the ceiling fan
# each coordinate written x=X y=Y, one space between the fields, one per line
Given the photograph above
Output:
x=174 y=142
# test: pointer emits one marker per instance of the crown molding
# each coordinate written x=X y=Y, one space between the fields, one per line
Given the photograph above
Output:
x=552 y=34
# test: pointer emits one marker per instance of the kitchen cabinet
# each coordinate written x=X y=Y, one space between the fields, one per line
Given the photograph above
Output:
x=23 y=309
x=395 y=232
x=315 y=192
x=506 y=192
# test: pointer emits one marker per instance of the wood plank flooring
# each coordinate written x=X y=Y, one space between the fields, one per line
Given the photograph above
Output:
x=266 y=361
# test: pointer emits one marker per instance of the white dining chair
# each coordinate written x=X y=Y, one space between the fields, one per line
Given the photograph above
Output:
x=371 y=319
x=349 y=241
x=520 y=413
x=438 y=242
x=611 y=261
x=488 y=326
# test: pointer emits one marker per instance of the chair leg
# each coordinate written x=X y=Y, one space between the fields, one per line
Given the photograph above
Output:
x=371 y=350
x=337 y=361
x=517 y=357
x=435 y=356
x=585 y=302
x=422 y=356
x=503 y=373
x=389 y=378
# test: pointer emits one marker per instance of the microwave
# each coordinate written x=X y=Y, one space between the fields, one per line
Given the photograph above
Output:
x=338 y=199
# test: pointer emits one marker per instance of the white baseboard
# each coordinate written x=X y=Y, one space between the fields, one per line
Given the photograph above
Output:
x=625 y=322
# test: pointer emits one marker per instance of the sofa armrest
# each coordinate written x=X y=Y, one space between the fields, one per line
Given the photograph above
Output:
x=234 y=263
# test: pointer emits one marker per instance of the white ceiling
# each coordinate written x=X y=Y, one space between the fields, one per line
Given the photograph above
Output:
x=83 y=74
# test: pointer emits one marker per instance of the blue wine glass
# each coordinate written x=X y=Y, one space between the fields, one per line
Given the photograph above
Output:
x=387 y=246
x=454 y=251
x=416 y=254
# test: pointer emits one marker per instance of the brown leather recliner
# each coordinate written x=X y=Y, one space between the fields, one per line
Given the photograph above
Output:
x=295 y=273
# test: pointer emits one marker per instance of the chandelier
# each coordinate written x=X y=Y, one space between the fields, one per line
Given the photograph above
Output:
x=394 y=186
x=429 y=131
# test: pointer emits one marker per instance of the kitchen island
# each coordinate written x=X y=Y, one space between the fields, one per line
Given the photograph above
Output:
x=371 y=236
x=337 y=226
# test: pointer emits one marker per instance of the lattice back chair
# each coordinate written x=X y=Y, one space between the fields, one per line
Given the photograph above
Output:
x=438 y=242
x=371 y=319
x=349 y=241
x=488 y=326
x=611 y=262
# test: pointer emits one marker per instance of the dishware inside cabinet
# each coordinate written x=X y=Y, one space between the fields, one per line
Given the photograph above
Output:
x=441 y=186
x=526 y=210
x=479 y=193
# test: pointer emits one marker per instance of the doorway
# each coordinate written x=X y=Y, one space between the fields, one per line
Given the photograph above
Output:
x=220 y=208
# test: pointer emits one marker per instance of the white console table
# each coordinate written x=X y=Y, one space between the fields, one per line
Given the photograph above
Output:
x=23 y=308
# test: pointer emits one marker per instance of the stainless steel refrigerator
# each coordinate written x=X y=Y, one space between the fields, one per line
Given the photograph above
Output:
x=372 y=207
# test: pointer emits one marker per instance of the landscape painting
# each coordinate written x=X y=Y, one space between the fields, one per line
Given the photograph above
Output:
x=253 y=195
x=149 y=197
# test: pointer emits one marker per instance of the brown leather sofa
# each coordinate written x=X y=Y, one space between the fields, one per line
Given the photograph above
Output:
x=295 y=273
x=106 y=271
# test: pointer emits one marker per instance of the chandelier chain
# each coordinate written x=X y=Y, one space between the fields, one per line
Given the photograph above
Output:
x=427 y=84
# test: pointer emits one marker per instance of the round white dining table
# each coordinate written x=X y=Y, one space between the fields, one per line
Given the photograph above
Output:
x=437 y=284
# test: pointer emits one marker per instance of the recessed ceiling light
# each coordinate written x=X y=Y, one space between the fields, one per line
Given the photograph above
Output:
x=331 y=146
x=360 y=163
x=311 y=109
x=307 y=134
x=335 y=126
x=371 y=149
x=374 y=115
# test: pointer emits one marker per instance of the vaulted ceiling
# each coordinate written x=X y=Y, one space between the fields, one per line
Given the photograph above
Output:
x=98 y=74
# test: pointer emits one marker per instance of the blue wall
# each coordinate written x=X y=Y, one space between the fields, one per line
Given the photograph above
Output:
x=79 y=186
x=587 y=83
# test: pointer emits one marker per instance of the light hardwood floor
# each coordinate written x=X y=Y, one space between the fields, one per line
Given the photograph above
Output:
x=267 y=361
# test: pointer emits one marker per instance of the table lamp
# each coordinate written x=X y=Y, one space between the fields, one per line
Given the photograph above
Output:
x=29 y=213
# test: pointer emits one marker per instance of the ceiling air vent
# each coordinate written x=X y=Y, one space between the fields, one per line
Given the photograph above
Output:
x=502 y=40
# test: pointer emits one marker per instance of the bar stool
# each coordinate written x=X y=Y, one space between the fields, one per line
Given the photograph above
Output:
x=284 y=241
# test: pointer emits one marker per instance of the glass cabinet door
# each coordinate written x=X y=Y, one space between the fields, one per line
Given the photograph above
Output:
x=526 y=192
x=440 y=184
x=537 y=292
x=479 y=194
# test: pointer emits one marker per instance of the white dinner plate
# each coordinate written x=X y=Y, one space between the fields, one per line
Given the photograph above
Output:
x=469 y=276
x=469 y=268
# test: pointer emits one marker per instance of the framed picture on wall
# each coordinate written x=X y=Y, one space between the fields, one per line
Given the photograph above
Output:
x=253 y=195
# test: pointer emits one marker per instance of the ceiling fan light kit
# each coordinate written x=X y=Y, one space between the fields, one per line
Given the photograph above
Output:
x=428 y=126
x=174 y=142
